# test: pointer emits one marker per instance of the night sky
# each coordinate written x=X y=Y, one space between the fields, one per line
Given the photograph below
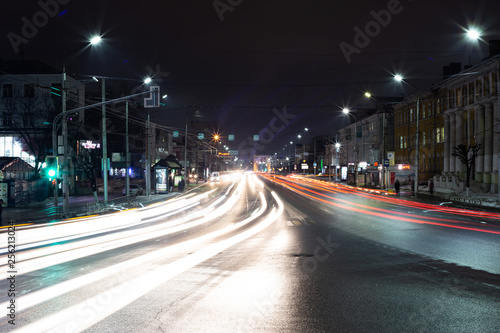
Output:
x=237 y=60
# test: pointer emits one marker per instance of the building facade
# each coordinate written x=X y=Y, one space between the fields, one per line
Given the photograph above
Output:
x=365 y=143
x=30 y=98
x=428 y=118
x=470 y=103
x=461 y=110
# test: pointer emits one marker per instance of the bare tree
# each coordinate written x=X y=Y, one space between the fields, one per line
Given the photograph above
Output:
x=30 y=120
x=467 y=155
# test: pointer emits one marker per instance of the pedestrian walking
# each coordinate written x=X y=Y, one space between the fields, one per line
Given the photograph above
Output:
x=170 y=184
x=397 y=186
x=431 y=187
x=181 y=185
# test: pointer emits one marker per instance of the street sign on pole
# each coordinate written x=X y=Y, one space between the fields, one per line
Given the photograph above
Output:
x=386 y=162
x=153 y=101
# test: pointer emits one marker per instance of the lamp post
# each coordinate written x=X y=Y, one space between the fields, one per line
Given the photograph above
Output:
x=368 y=95
x=304 y=154
x=65 y=188
x=400 y=78
x=348 y=112
x=337 y=148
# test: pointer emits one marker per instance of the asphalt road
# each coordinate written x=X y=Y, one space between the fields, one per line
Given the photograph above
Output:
x=268 y=255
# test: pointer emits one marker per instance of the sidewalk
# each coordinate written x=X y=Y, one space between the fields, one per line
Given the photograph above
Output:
x=43 y=212
x=484 y=202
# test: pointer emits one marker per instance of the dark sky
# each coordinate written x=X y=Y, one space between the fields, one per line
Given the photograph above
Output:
x=239 y=62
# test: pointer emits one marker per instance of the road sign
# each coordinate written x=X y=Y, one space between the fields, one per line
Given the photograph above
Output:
x=153 y=101
x=386 y=162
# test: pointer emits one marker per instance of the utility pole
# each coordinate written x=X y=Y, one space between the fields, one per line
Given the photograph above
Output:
x=65 y=168
x=104 y=142
x=383 y=151
x=127 y=153
x=147 y=166
x=185 y=152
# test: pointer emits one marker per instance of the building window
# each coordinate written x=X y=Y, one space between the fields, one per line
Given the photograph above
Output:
x=423 y=110
x=405 y=141
x=442 y=134
x=29 y=90
x=401 y=142
x=423 y=138
x=7 y=90
x=438 y=135
x=479 y=85
x=7 y=119
x=486 y=86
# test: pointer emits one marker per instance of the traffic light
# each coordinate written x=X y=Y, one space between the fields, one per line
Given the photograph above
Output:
x=51 y=167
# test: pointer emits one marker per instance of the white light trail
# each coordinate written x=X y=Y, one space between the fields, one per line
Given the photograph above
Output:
x=137 y=287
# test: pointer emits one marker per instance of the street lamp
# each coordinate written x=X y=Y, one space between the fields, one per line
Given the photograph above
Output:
x=473 y=34
x=93 y=41
x=348 y=112
x=337 y=148
x=399 y=78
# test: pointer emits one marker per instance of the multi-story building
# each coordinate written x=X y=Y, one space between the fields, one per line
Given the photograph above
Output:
x=366 y=142
x=30 y=98
x=470 y=106
x=461 y=110
x=431 y=128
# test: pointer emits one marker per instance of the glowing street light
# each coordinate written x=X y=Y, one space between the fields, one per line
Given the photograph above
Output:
x=65 y=181
x=398 y=78
x=147 y=80
x=473 y=34
x=95 y=40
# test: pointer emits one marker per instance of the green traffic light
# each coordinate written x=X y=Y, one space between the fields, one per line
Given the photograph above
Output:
x=52 y=173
